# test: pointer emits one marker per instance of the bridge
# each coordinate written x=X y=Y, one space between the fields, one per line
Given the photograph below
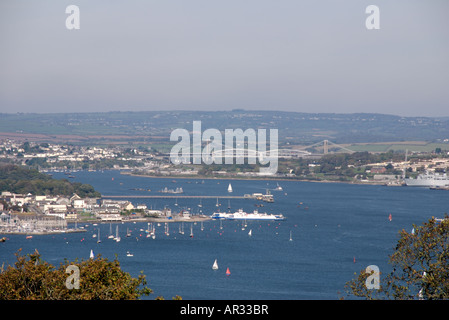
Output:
x=321 y=148
x=326 y=145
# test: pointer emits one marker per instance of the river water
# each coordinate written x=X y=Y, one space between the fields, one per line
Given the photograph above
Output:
x=337 y=229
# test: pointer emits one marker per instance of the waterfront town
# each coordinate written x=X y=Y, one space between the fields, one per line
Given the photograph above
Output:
x=390 y=168
x=50 y=213
x=39 y=214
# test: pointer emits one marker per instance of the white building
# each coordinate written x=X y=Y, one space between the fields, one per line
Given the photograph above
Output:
x=55 y=208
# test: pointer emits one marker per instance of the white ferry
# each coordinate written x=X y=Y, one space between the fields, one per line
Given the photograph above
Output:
x=242 y=215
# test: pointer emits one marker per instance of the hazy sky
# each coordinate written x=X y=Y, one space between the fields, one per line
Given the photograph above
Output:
x=292 y=55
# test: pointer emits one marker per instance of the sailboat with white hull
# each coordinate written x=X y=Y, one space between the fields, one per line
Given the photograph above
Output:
x=111 y=236
x=117 y=237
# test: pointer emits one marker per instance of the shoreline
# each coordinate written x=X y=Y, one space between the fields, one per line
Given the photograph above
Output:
x=196 y=177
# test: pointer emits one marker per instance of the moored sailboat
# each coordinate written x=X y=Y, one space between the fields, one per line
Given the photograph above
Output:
x=117 y=237
x=111 y=236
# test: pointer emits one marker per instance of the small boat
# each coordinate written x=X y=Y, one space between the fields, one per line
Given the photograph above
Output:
x=91 y=254
x=250 y=233
x=228 y=273
x=28 y=237
x=291 y=239
x=191 y=231
x=390 y=217
x=229 y=188
x=98 y=241
x=166 y=229
x=128 y=254
x=215 y=265
x=278 y=188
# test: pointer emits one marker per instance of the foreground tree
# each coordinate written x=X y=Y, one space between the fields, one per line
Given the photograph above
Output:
x=99 y=279
x=420 y=266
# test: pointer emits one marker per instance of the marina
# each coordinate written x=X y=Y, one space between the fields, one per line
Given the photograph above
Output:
x=34 y=225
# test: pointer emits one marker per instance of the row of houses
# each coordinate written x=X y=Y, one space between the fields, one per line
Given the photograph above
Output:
x=71 y=207
x=54 y=152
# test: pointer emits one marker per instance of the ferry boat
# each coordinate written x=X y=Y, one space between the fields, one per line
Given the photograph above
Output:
x=242 y=215
x=428 y=180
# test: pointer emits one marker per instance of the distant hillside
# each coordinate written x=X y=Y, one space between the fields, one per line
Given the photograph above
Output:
x=20 y=179
x=294 y=127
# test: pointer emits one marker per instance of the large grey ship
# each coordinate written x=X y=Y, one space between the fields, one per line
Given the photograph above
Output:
x=428 y=180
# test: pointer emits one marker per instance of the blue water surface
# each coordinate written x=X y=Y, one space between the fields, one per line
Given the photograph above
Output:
x=337 y=229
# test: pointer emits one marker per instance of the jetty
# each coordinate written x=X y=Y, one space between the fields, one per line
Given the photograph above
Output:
x=170 y=197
